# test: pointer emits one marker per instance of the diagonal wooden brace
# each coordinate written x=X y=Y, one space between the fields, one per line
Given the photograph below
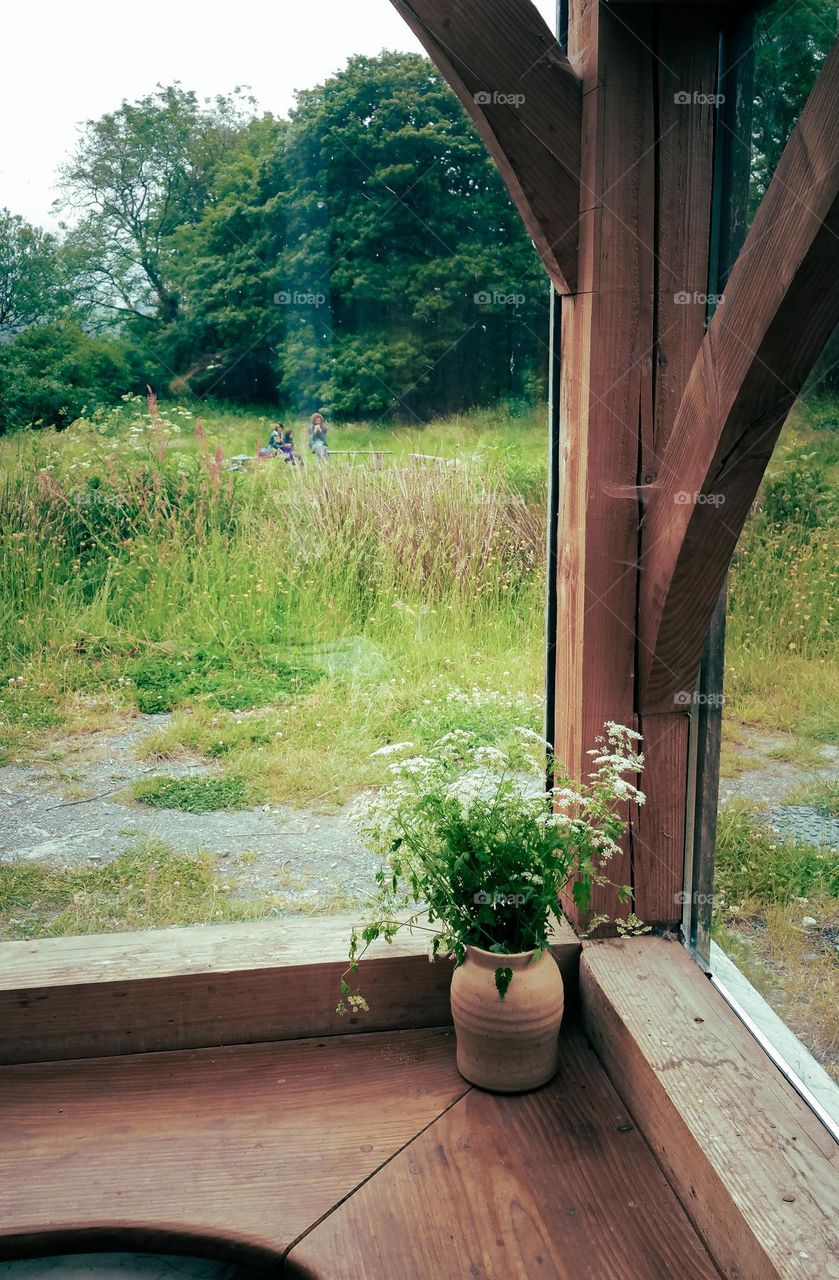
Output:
x=779 y=309
x=526 y=102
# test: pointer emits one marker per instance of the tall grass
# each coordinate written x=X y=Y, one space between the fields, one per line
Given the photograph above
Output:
x=144 y=555
x=155 y=574
x=783 y=617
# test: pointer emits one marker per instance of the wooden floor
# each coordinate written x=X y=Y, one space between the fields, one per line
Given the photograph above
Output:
x=360 y=1156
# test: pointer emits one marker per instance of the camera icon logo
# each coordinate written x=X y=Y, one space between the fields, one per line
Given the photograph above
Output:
x=283 y=298
x=483 y=97
x=681 y=98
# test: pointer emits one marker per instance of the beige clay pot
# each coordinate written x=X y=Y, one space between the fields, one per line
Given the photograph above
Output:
x=509 y=1045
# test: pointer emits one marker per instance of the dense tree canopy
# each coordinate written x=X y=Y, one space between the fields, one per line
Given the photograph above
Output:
x=138 y=174
x=361 y=257
x=791 y=43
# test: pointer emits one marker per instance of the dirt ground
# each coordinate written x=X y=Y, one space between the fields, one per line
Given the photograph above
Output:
x=72 y=804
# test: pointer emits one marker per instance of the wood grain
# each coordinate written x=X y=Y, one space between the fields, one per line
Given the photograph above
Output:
x=557 y=1184
x=207 y=985
x=517 y=85
x=605 y=389
x=218 y=984
x=243 y=1148
x=687 y=45
x=780 y=306
x=752 y=1164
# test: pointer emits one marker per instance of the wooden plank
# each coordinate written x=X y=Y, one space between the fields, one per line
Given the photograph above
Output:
x=687 y=44
x=557 y=1184
x=779 y=311
x=206 y=985
x=754 y=1167
x=205 y=949
x=216 y=984
x=517 y=85
x=605 y=390
x=241 y=1149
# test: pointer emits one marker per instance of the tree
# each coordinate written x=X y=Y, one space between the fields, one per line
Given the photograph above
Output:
x=791 y=44
x=419 y=291
x=51 y=372
x=137 y=175
x=226 y=267
x=31 y=277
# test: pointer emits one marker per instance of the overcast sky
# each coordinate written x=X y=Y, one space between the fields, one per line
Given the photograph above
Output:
x=66 y=63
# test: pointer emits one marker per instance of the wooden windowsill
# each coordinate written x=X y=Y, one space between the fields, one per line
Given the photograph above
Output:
x=754 y=1167
x=206 y=985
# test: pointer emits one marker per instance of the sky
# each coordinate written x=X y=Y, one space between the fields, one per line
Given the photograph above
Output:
x=65 y=64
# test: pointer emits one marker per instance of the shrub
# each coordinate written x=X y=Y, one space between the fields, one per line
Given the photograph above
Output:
x=51 y=372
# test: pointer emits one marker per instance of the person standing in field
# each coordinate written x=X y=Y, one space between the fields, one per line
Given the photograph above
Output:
x=317 y=437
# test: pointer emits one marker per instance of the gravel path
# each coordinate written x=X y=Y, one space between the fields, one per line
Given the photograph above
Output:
x=767 y=781
x=70 y=809
x=70 y=805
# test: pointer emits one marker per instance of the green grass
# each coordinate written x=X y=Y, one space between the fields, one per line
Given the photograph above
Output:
x=765 y=888
x=782 y=643
x=755 y=867
x=151 y=886
x=196 y=794
x=25 y=712
x=821 y=794
x=293 y=622
x=165 y=680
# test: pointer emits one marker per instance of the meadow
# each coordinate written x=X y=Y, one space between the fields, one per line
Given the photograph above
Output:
x=294 y=622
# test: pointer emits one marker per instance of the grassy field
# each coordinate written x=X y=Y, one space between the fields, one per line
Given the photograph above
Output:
x=295 y=622
x=292 y=621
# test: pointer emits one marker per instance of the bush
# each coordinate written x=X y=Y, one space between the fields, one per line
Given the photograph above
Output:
x=51 y=372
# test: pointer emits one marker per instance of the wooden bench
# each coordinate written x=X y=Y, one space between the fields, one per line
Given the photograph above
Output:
x=312 y=1147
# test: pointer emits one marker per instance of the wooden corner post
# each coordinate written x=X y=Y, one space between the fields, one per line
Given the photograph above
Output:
x=629 y=338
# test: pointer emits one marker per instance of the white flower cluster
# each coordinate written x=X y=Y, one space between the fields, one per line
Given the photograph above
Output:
x=477 y=697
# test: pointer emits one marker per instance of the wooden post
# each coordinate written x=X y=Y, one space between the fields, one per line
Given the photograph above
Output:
x=629 y=341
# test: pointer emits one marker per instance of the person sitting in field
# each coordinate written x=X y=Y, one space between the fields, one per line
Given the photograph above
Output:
x=317 y=436
x=287 y=448
x=275 y=439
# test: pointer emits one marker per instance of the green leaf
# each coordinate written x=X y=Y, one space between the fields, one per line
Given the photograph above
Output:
x=503 y=978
